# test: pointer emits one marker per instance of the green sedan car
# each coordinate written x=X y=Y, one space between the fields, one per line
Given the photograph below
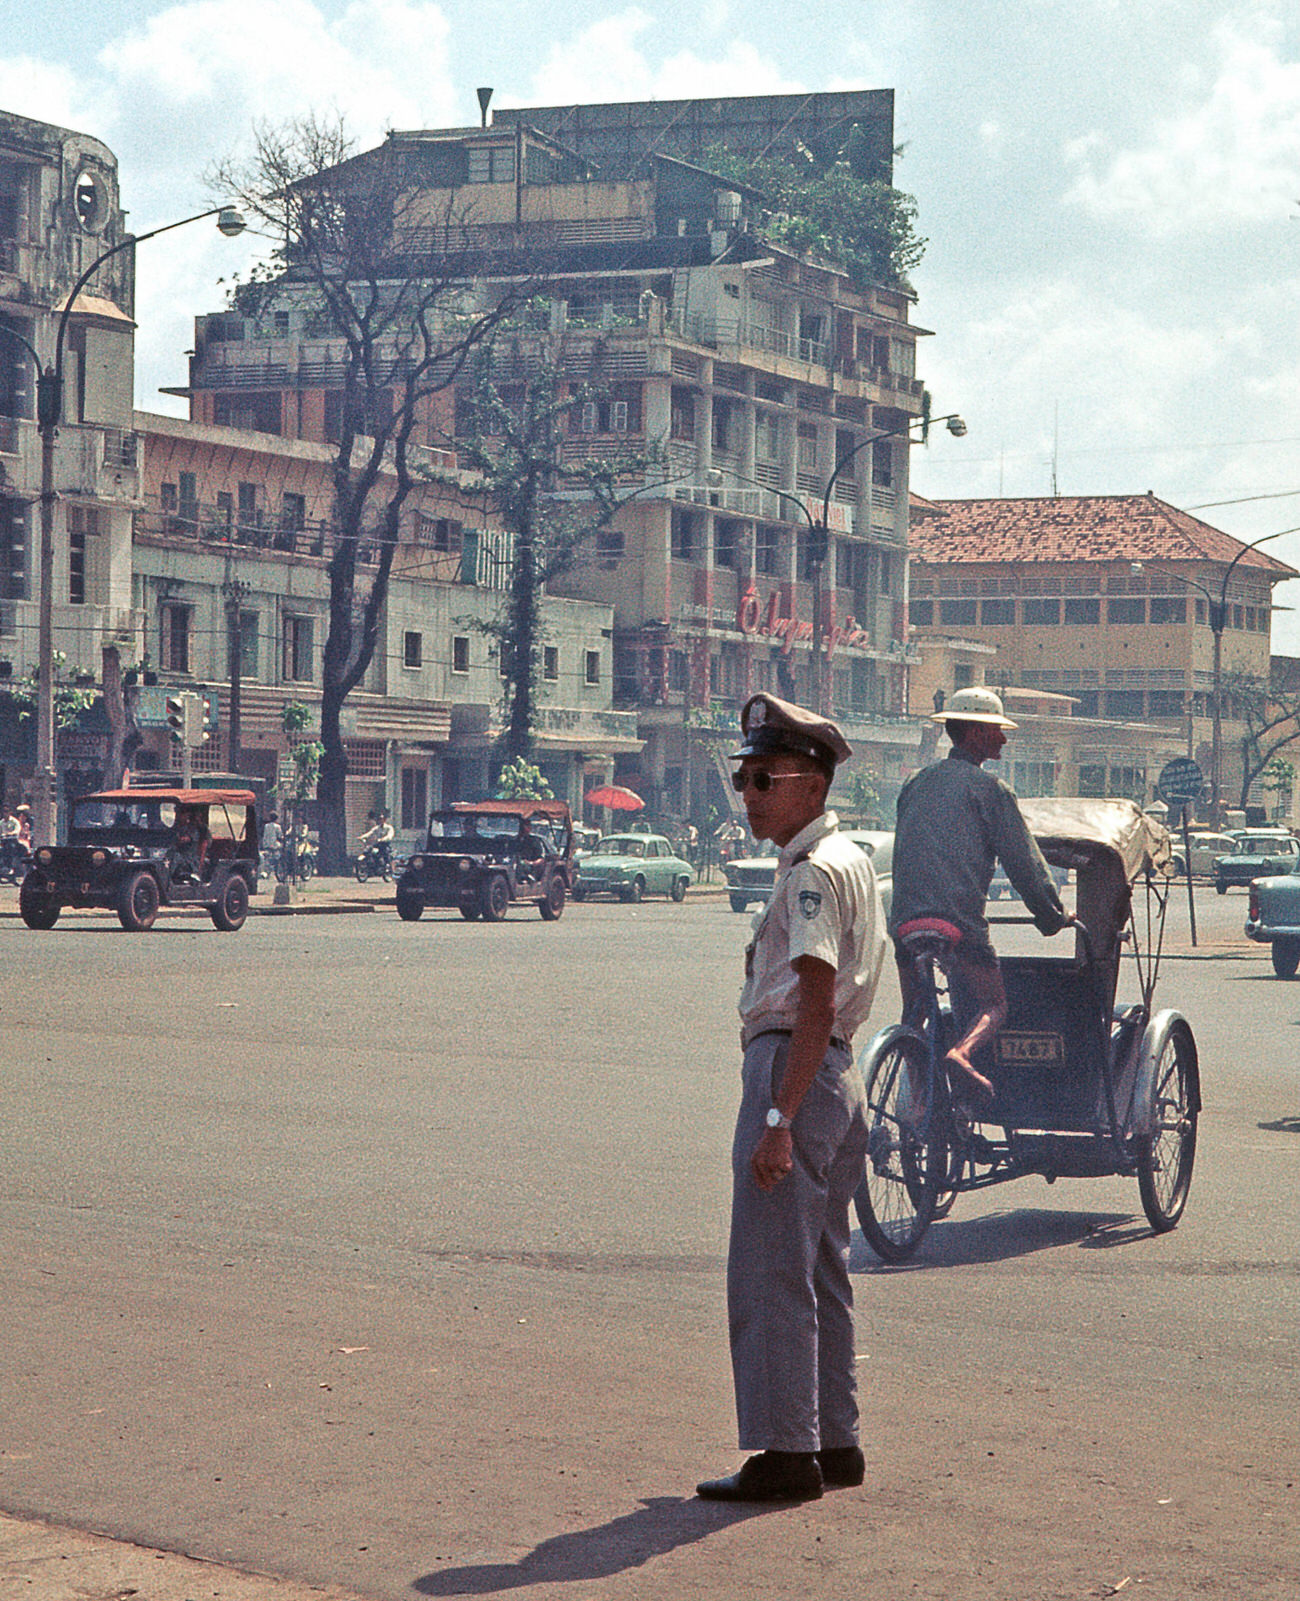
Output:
x=631 y=866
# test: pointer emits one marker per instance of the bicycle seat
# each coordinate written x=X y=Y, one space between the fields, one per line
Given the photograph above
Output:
x=921 y=935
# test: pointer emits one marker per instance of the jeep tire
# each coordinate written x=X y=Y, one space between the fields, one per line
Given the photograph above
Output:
x=496 y=899
x=231 y=906
x=137 y=902
x=410 y=904
x=551 y=904
x=37 y=909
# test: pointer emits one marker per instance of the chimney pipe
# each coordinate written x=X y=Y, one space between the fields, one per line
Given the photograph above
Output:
x=484 y=96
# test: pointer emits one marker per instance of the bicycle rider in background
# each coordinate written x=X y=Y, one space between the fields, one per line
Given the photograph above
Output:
x=954 y=822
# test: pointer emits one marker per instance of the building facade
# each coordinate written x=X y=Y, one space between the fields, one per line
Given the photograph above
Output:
x=60 y=210
x=232 y=543
x=736 y=373
x=1107 y=602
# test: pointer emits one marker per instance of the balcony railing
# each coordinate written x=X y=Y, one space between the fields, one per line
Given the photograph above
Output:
x=715 y=331
x=207 y=525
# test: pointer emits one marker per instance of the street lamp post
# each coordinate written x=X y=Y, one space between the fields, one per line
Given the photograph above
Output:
x=819 y=528
x=49 y=415
x=1218 y=616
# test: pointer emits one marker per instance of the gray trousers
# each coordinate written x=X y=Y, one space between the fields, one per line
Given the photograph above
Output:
x=789 y=1297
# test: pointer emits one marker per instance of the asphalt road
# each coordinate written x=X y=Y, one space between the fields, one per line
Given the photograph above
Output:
x=390 y=1257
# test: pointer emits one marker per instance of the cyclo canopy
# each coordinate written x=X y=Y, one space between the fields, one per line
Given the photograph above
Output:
x=1110 y=844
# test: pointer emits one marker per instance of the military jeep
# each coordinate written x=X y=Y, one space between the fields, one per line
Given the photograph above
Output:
x=134 y=850
x=482 y=857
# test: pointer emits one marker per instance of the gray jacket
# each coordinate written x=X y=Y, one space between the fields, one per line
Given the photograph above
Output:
x=954 y=822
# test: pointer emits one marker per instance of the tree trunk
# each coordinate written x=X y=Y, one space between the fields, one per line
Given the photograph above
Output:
x=332 y=786
x=124 y=737
x=518 y=740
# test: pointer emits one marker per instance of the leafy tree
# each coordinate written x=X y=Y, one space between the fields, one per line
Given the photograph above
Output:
x=551 y=505
x=70 y=700
x=836 y=202
x=357 y=249
x=1271 y=714
x=295 y=719
x=520 y=780
x=1278 y=778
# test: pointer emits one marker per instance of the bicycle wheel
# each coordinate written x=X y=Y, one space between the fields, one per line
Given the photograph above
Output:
x=1166 y=1156
x=906 y=1162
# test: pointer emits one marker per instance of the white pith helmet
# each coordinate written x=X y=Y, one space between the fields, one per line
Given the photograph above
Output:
x=974 y=705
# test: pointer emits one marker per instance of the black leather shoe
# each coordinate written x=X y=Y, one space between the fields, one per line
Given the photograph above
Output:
x=770 y=1476
x=842 y=1466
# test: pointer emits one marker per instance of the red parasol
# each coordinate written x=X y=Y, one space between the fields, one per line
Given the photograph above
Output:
x=615 y=797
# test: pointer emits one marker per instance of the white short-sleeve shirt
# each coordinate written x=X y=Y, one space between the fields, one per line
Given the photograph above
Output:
x=826 y=904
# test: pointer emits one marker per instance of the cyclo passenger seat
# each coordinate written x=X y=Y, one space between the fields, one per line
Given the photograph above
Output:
x=928 y=936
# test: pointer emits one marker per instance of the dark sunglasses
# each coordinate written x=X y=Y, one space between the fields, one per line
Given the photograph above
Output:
x=762 y=781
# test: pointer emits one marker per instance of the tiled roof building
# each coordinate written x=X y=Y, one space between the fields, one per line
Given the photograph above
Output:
x=1107 y=599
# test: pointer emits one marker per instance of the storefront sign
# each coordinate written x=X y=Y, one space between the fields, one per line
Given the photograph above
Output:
x=753 y=618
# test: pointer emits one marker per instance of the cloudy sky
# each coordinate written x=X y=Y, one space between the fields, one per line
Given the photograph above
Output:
x=1110 y=190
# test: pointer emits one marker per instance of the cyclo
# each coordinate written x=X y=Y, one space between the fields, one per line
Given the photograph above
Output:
x=1083 y=1087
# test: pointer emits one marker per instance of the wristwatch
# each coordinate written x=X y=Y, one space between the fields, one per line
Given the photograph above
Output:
x=776 y=1118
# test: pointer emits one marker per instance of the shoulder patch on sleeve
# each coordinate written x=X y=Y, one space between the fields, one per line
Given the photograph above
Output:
x=810 y=902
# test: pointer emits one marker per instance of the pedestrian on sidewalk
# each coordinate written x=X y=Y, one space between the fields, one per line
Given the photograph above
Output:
x=811 y=971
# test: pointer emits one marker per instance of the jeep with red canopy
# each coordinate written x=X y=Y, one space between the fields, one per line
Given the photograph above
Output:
x=134 y=850
x=483 y=856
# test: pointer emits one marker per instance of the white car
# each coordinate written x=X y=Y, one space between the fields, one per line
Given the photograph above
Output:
x=750 y=878
x=1205 y=848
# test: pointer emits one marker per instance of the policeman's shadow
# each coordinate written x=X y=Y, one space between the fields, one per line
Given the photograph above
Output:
x=1282 y=1125
x=659 y=1525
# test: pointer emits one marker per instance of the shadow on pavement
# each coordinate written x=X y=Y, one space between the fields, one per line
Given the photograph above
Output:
x=1282 y=1125
x=658 y=1526
x=1002 y=1236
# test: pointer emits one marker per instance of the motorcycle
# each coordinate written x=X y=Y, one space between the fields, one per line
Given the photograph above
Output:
x=375 y=861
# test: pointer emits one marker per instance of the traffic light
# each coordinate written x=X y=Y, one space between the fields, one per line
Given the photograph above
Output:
x=195 y=733
x=818 y=543
x=177 y=717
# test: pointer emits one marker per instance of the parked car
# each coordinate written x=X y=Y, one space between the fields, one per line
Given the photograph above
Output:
x=631 y=866
x=134 y=850
x=1206 y=848
x=1258 y=853
x=1001 y=884
x=1273 y=918
x=482 y=857
x=751 y=878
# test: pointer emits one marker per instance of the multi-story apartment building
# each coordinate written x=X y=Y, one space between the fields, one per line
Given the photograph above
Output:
x=60 y=211
x=231 y=550
x=1103 y=604
x=745 y=372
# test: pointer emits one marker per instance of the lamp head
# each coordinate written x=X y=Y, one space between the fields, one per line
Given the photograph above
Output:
x=230 y=222
x=957 y=427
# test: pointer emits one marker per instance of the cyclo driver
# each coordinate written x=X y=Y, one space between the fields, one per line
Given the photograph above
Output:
x=954 y=821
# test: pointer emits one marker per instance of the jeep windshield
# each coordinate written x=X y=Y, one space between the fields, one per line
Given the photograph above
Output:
x=466 y=826
x=117 y=822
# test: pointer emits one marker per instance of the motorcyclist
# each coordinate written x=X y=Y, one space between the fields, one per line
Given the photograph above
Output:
x=379 y=837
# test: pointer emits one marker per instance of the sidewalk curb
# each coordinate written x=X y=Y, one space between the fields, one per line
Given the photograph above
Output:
x=48 y=1562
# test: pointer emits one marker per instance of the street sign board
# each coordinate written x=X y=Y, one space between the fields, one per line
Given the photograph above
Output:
x=1180 y=780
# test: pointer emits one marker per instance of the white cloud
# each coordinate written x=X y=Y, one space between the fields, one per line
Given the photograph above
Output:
x=45 y=92
x=1231 y=155
x=182 y=90
x=617 y=59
